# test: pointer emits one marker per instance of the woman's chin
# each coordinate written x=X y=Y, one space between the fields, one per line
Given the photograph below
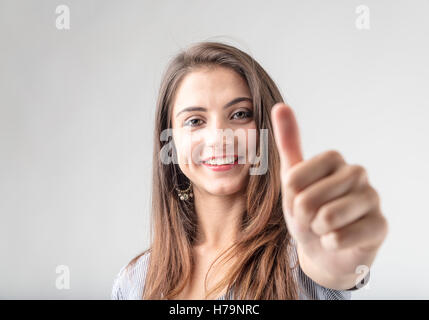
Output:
x=222 y=184
x=223 y=189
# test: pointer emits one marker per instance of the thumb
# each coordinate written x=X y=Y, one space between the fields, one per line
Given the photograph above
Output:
x=286 y=134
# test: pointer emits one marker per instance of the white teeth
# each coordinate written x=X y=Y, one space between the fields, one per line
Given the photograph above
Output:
x=222 y=161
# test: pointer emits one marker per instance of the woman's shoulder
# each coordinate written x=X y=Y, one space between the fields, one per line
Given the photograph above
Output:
x=129 y=282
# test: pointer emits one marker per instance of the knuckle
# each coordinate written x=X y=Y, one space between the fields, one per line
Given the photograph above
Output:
x=324 y=221
x=291 y=181
x=327 y=216
x=336 y=239
x=357 y=171
x=334 y=156
x=372 y=196
x=384 y=225
x=302 y=202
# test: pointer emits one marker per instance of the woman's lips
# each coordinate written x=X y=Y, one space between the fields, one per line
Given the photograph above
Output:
x=223 y=167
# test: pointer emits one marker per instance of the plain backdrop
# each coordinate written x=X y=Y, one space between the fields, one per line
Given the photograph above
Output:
x=77 y=114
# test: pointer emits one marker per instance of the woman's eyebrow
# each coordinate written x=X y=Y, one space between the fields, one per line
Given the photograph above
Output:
x=229 y=104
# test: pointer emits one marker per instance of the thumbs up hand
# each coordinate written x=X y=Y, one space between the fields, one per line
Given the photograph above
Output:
x=331 y=210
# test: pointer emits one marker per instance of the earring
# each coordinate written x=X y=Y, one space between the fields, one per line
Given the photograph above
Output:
x=185 y=194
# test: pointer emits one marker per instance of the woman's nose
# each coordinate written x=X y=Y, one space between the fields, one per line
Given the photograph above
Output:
x=218 y=135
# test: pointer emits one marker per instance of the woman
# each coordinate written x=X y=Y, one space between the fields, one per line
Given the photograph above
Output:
x=300 y=229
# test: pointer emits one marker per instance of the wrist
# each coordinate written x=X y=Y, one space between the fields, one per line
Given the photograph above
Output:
x=326 y=279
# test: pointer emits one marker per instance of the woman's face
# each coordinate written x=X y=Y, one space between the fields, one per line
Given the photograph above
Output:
x=217 y=127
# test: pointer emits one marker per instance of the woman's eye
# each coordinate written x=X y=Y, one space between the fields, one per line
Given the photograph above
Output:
x=192 y=122
x=238 y=115
x=242 y=114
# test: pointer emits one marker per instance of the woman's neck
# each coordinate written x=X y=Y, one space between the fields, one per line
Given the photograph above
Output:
x=219 y=219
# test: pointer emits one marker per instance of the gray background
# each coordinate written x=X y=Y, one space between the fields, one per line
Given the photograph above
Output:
x=77 y=108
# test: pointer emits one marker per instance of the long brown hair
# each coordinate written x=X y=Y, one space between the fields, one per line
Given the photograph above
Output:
x=262 y=268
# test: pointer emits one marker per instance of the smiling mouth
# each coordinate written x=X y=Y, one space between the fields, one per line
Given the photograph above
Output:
x=217 y=162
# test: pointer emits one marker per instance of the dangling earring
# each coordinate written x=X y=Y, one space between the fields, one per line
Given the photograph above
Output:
x=185 y=194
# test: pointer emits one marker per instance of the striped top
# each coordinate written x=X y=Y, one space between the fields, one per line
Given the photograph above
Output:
x=129 y=286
